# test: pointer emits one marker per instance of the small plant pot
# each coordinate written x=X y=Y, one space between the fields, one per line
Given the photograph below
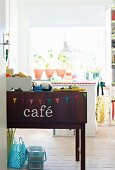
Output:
x=68 y=74
x=61 y=72
x=38 y=73
x=49 y=72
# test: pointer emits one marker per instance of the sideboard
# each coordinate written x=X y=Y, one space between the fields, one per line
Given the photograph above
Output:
x=50 y=110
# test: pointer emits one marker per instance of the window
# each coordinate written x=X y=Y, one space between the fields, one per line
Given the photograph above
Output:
x=87 y=46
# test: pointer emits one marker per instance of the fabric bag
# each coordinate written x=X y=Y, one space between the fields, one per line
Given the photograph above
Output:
x=102 y=106
x=102 y=111
x=17 y=154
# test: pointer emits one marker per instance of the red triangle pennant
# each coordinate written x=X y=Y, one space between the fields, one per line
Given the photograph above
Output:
x=57 y=100
x=31 y=101
x=40 y=101
x=76 y=97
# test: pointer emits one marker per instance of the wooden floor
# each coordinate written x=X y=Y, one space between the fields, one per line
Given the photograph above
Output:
x=100 y=150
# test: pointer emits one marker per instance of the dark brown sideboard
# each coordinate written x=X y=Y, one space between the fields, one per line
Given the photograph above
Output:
x=50 y=110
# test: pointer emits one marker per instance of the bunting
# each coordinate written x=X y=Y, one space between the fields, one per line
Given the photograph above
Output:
x=49 y=100
x=85 y=95
x=67 y=99
x=40 y=101
x=76 y=97
x=14 y=99
x=57 y=100
x=31 y=101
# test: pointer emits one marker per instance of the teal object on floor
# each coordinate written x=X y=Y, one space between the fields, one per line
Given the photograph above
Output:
x=36 y=156
x=17 y=154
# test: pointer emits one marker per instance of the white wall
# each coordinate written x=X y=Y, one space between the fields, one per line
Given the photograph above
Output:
x=36 y=13
x=3 y=123
x=68 y=14
x=13 y=29
x=23 y=42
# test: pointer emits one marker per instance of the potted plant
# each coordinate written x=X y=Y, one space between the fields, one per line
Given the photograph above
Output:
x=64 y=64
x=49 y=64
x=38 y=65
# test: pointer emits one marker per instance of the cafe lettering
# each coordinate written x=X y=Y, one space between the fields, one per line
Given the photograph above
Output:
x=44 y=111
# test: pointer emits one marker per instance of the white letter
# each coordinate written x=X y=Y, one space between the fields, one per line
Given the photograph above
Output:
x=34 y=113
x=25 y=112
x=49 y=111
x=42 y=110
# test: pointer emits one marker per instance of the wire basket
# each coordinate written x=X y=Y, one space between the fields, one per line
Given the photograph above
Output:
x=36 y=157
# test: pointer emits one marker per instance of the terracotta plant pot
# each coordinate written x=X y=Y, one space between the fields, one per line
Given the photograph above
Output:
x=113 y=15
x=68 y=74
x=38 y=73
x=61 y=72
x=49 y=72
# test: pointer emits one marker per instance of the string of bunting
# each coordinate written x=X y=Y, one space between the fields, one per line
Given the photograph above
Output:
x=49 y=100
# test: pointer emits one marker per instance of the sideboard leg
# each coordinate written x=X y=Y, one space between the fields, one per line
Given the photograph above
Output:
x=83 y=147
x=77 y=144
